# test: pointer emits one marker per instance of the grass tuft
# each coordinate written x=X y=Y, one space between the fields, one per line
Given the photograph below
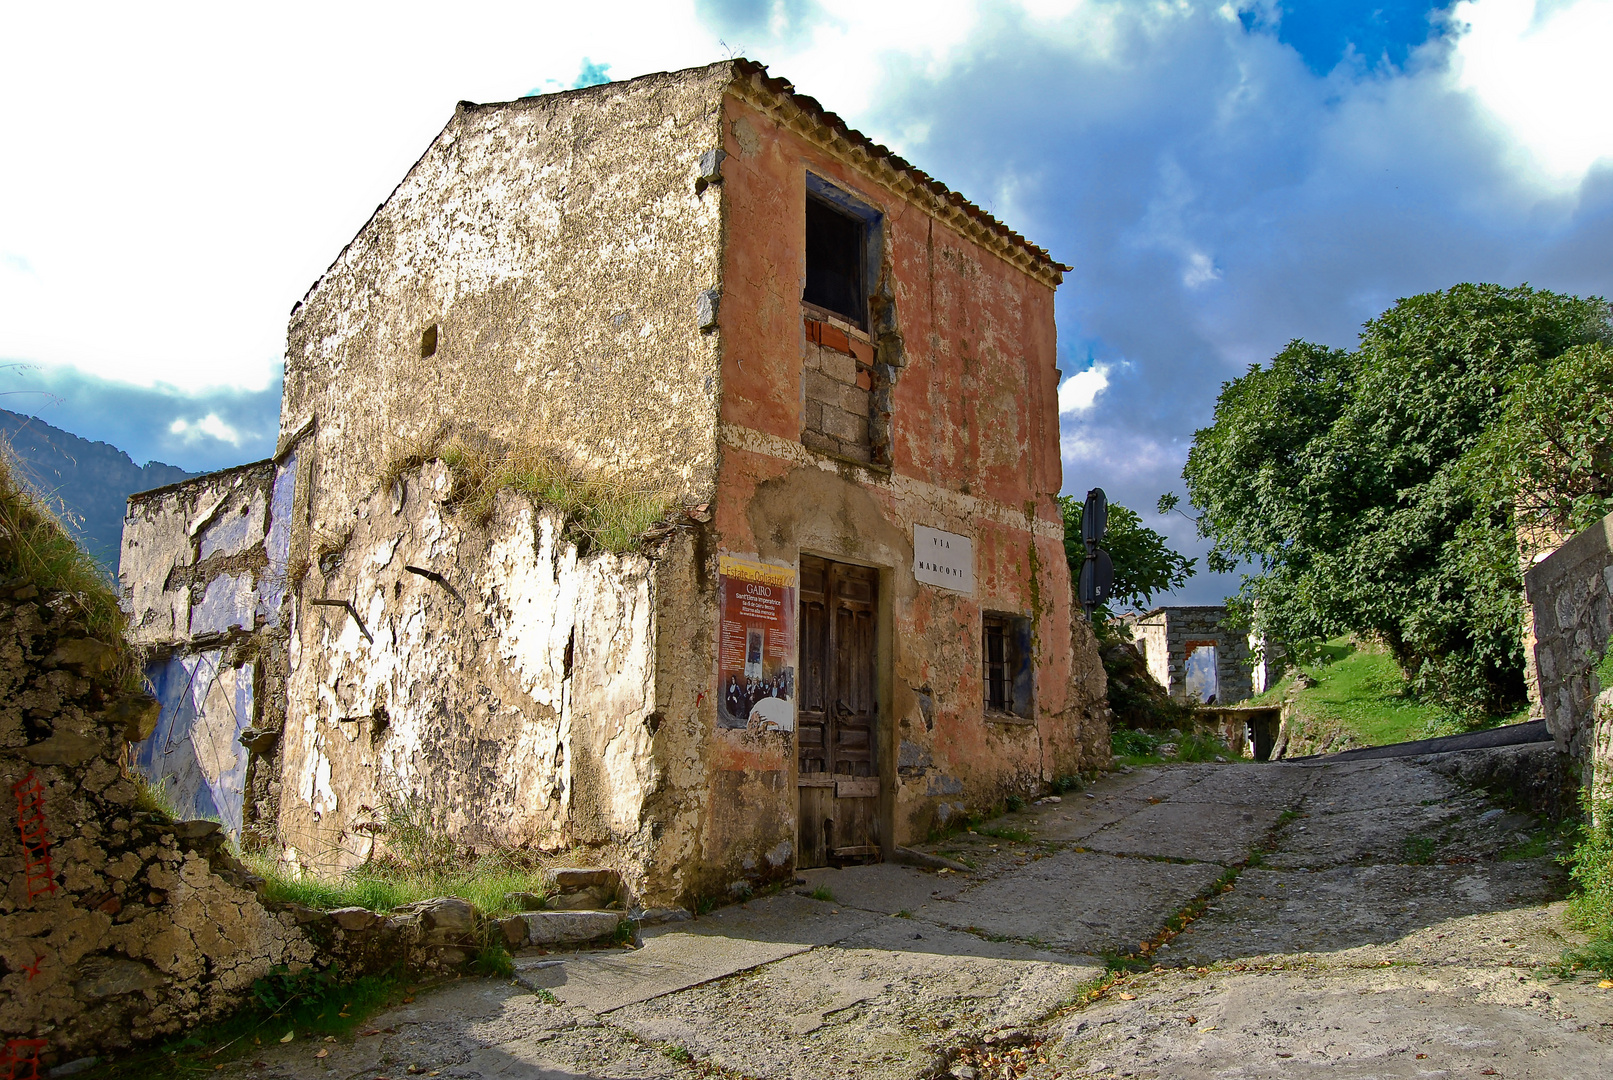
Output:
x=494 y=960
x=417 y=862
x=1590 y=910
x=822 y=892
x=36 y=550
x=1361 y=698
x=306 y=1004
x=604 y=510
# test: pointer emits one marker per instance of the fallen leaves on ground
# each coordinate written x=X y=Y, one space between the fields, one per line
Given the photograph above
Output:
x=1002 y=1062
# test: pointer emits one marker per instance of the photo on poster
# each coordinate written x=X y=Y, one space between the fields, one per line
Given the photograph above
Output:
x=756 y=646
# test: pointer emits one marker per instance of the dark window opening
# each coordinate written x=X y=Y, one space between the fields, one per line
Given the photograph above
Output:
x=834 y=262
x=428 y=342
x=1006 y=665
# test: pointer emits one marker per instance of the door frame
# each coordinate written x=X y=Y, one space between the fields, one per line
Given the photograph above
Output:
x=885 y=742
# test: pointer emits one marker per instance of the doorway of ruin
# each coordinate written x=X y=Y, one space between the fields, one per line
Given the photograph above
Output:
x=1201 y=673
x=837 y=727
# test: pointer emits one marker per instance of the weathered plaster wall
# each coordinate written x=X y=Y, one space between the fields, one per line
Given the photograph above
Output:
x=559 y=245
x=490 y=673
x=115 y=926
x=566 y=251
x=203 y=580
x=1569 y=592
x=965 y=383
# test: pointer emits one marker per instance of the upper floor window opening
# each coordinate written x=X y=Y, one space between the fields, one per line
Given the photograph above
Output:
x=841 y=259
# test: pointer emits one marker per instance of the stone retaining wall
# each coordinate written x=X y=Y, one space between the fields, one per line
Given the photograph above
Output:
x=116 y=925
x=1569 y=594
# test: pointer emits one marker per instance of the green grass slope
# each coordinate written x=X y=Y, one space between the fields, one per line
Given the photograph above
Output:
x=1360 y=699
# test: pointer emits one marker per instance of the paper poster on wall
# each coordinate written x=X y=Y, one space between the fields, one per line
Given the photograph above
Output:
x=756 y=646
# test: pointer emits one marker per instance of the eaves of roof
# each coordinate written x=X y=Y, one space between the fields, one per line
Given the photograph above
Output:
x=805 y=116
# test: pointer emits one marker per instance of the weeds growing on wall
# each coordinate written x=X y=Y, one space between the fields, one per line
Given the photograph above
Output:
x=602 y=509
x=153 y=797
x=35 y=550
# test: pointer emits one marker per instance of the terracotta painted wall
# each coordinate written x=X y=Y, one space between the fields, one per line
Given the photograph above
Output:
x=974 y=450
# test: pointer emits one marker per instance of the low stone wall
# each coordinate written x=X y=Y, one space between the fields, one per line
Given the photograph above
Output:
x=1569 y=594
x=116 y=925
x=1536 y=777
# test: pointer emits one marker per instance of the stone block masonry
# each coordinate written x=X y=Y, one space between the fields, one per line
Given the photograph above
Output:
x=116 y=926
x=1571 y=595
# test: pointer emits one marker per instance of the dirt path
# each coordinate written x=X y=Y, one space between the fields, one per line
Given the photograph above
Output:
x=1387 y=929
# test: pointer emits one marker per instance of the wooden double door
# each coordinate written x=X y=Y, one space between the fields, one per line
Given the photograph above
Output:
x=838 y=716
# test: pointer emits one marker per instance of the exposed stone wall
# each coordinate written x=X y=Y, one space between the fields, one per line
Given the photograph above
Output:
x=203 y=579
x=1165 y=635
x=492 y=674
x=115 y=927
x=1568 y=592
x=838 y=384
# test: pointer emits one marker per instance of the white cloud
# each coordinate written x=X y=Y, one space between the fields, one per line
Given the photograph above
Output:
x=237 y=149
x=1078 y=393
x=208 y=427
x=1545 y=72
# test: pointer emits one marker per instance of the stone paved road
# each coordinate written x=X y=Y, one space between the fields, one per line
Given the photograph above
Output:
x=1383 y=933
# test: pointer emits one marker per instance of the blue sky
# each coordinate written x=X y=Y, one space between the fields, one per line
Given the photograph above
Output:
x=1224 y=176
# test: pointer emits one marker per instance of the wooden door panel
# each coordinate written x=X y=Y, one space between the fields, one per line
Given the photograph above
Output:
x=838 y=714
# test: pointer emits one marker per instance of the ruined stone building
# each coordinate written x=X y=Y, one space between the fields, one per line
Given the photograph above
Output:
x=1193 y=654
x=833 y=380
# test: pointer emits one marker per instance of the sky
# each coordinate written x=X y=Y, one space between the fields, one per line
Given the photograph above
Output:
x=1223 y=176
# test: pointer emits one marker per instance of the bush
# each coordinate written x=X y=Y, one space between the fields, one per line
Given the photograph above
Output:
x=1129 y=742
x=1591 y=908
x=1195 y=747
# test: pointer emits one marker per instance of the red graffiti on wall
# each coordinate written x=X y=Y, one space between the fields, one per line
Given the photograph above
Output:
x=21 y=1060
x=35 y=837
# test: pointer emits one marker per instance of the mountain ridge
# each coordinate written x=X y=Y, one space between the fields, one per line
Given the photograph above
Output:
x=86 y=483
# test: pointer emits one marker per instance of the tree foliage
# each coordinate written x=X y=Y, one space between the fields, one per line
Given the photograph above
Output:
x=1550 y=456
x=1351 y=480
x=1144 y=562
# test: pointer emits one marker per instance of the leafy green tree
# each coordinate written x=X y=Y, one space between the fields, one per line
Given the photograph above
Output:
x=1341 y=477
x=1144 y=562
x=1550 y=456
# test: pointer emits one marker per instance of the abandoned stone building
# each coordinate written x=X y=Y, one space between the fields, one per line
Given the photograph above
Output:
x=831 y=379
x=1192 y=653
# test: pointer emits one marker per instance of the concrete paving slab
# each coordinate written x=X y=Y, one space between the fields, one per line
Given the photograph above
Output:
x=601 y=981
x=1328 y=1023
x=1445 y=830
x=1281 y=911
x=866 y=1014
x=882 y=887
x=1204 y=832
x=1077 y=818
x=784 y=918
x=583 y=1053
x=1367 y=785
x=919 y=936
x=1079 y=902
x=1253 y=784
x=1161 y=782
